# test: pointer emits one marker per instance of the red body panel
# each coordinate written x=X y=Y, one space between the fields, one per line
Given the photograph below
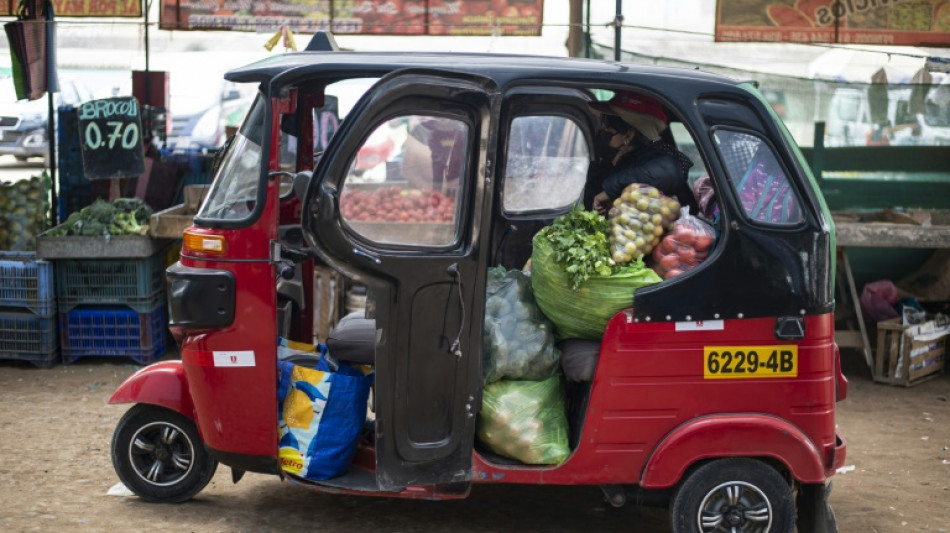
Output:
x=231 y=371
x=736 y=435
x=649 y=388
x=161 y=384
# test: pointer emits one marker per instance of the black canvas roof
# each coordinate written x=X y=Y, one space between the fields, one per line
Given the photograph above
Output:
x=501 y=68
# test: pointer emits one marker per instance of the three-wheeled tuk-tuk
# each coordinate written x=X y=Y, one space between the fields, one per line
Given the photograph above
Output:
x=715 y=388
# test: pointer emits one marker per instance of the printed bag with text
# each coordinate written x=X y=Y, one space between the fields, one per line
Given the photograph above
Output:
x=321 y=416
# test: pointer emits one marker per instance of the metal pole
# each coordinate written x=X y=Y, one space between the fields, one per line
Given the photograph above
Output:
x=51 y=144
x=51 y=126
x=618 y=22
x=587 y=31
x=148 y=97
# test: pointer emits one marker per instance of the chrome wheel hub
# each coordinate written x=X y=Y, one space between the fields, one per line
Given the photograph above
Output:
x=735 y=506
x=161 y=453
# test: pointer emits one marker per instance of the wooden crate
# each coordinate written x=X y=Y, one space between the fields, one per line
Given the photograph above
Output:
x=907 y=355
x=172 y=222
x=328 y=288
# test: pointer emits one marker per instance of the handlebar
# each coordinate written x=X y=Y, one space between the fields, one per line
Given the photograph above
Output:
x=294 y=255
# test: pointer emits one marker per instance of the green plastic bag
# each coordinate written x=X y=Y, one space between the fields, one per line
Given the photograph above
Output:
x=518 y=341
x=583 y=313
x=525 y=420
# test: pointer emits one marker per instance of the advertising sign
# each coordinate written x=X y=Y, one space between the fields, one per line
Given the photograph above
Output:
x=386 y=17
x=84 y=8
x=866 y=22
x=110 y=138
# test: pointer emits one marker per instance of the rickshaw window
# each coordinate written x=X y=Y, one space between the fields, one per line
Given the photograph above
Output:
x=233 y=195
x=403 y=184
x=759 y=180
x=546 y=164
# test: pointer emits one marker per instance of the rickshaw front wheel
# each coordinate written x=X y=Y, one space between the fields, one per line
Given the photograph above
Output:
x=158 y=455
x=734 y=495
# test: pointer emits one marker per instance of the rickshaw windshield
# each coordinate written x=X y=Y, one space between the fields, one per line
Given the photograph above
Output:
x=234 y=193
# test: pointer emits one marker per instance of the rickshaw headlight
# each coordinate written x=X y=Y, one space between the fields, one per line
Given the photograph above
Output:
x=205 y=244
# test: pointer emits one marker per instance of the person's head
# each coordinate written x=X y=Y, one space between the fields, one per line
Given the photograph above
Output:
x=617 y=131
x=643 y=113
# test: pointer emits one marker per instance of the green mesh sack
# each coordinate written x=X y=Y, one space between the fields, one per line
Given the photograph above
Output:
x=525 y=420
x=583 y=313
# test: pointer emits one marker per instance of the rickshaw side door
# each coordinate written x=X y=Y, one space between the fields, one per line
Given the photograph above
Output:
x=415 y=240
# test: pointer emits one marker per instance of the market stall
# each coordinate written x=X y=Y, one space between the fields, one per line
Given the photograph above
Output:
x=928 y=229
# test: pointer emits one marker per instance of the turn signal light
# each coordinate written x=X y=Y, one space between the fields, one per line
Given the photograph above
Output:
x=205 y=244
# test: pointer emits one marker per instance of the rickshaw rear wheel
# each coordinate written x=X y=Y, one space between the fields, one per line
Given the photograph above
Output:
x=734 y=494
x=159 y=456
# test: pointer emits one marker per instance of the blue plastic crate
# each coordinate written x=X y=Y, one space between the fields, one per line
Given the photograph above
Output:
x=27 y=337
x=136 y=283
x=27 y=283
x=112 y=332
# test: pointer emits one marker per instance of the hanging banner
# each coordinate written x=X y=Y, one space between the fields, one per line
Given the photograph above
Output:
x=84 y=8
x=866 y=22
x=383 y=17
x=110 y=138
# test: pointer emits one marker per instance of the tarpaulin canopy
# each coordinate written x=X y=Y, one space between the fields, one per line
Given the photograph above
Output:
x=405 y=17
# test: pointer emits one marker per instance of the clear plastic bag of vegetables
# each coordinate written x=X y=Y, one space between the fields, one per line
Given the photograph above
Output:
x=639 y=217
x=686 y=246
x=525 y=420
x=582 y=313
x=518 y=339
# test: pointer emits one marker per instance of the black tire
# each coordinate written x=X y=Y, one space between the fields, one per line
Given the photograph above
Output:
x=815 y=514
x=737 y=495
x=159 y=456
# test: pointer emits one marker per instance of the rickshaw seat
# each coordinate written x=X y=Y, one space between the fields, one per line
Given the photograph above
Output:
x=353 y=340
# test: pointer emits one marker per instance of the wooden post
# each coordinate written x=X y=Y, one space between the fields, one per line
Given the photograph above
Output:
x=575 y=33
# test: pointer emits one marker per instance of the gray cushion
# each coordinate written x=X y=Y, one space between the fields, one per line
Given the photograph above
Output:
x=353 y=340
x=579 y=358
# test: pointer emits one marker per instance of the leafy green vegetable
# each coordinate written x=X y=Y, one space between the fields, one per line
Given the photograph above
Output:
x=579 y=242
x=123 y=216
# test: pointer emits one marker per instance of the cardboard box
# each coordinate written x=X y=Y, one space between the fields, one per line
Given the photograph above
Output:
x=907 y=355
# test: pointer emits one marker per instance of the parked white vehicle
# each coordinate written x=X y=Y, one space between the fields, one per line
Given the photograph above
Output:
x=850 y=121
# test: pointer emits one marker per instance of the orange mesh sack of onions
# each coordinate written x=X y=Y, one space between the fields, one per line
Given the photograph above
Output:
x=639 y=217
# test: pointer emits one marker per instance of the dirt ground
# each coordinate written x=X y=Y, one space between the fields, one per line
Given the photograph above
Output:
x=55 y=472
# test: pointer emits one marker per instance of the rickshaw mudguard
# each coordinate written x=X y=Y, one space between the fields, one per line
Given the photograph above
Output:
x=162 y=384
x=741 y=435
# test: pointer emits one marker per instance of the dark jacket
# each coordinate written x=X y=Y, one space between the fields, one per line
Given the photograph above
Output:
x=650 y=165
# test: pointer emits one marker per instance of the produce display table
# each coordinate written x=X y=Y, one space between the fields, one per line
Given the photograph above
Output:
x=79 y=247
x=884 y=229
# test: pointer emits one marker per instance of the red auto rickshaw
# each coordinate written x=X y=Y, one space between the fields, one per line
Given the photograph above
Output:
x=675 y=406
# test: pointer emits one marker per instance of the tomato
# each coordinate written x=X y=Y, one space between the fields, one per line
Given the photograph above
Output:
x=673 y=273
x=687 y=255
x=668 y=246
x=684 y=233
x=670 y=261
x=704 y=242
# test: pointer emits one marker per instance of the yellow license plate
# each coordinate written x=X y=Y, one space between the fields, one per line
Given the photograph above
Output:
x=745 y=362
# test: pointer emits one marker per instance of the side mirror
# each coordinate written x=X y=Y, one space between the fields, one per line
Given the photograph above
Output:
x=301 y=182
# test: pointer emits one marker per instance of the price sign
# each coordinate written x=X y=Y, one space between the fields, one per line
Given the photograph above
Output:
x=110 y=137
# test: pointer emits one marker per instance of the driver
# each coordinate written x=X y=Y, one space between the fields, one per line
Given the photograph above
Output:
x=634 y=126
